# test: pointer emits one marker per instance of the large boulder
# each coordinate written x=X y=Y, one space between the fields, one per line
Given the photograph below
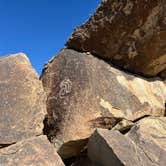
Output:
x=36 y=151
x=22 y=104
x=131 y=34
x=112 y=148
x=145 y=145
x=85 y=93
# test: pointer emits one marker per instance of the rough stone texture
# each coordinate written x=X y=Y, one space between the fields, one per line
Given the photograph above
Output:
x=123 y=125
x=35 y=151
x=22 y=104
x=83 y=161
x=129 y=33
x=112 y=148
x=150 y=136
x=85 y=93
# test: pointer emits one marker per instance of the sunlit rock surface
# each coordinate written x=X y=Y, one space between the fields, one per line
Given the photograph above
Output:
x=129 y=33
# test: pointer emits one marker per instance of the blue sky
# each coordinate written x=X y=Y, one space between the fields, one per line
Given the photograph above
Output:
x=40 y=28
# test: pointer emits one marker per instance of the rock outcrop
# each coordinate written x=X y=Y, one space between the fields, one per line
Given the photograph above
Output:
x=22 y=105
x=143 y=145
x=149 y=135
x=22 y=112
x=87 y=109
x=112 y=148
x=85 y=93
x=36 y=151
x=129 y=33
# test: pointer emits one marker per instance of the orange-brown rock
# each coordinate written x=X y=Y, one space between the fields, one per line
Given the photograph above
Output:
x=149 y=134
x=22 y=103
x=144 y=145
x=36 y=151
x=84 y=93
x=129 y=33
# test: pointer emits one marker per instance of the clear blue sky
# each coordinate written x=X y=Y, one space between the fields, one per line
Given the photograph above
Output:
x=40 y=28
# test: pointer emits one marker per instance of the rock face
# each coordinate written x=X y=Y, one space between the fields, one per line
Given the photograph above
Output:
x=22 y=105
x=150 y=136
x=145 y=142
x=35 y=151
x=129 y=33
x=97 y=114
x=112 y=148
x=85 y=93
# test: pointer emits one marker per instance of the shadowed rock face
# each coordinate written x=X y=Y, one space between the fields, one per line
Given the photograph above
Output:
x=112 y=148
x=150 y=136
x=145 y=144
x=36 y=151
x=85 y=93
x=129 y=33
x=22 y=103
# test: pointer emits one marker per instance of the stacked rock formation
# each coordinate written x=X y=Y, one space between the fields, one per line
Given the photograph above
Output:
x=85 y=93
x=22 y=111
x=107 y=78
x=100 y=101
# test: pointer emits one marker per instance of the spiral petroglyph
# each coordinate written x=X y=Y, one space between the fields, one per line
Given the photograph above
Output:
x=65 y=87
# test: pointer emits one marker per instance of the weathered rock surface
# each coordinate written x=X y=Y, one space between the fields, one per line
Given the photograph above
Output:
x=150 y=136
x=22 y=104
x=123 y=125
x=36 y=151
x=129 y=33
x=85 y=93
x=112 y=148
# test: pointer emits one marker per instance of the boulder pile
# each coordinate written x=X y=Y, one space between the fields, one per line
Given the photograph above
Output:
x=22 y=111
x=99 y=102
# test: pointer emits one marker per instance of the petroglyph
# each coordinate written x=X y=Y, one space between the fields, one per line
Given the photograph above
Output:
x=65 y=88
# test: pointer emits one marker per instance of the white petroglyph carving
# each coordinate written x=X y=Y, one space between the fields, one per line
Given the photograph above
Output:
x=65 y=88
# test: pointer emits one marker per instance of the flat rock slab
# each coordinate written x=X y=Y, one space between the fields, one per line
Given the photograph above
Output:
x=131 y=34
x=85 y=93
x=112 y=148
x=22 y=103
x=36 y=151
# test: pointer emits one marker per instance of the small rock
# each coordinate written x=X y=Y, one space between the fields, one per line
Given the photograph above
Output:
x=123 y=125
